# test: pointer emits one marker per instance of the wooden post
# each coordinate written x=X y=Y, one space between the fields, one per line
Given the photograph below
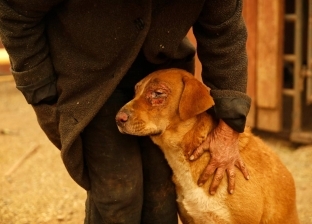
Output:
x=270 y=17
x=250 y=17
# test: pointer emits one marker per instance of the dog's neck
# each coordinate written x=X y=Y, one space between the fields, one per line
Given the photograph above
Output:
x=177 y=140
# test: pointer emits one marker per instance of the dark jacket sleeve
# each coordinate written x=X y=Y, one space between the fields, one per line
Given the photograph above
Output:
x=221 y=41
x=22 y=32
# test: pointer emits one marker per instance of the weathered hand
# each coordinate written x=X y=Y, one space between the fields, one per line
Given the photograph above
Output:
x=222 y=144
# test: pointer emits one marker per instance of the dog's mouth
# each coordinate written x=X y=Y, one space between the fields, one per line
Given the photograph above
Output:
x=138 y=127
x=130 y=130
x=157 y=133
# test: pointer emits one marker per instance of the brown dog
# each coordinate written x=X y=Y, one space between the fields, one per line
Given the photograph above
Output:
x=169 y=106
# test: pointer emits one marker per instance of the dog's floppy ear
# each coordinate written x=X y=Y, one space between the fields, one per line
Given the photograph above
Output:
x=195 y=98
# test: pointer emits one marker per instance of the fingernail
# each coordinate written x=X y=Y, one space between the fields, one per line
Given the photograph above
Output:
x=212 y=192
x=231 y=191
x=248 y=177
x=192 y=157
x=200 y=184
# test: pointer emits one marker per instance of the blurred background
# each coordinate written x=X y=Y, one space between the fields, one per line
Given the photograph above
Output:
x=35 y=187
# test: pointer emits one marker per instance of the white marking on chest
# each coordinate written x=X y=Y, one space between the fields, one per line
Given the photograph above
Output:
x=194 y=198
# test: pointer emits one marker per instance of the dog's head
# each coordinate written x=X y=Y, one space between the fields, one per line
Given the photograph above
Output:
x=163 y=98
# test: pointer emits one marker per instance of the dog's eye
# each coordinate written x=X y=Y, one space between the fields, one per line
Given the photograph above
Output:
x=157 y=97
x=157 y=94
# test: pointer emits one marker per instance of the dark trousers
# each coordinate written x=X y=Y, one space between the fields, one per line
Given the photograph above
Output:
x=130 y=178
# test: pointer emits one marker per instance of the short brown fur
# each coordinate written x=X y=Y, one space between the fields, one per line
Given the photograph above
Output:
x=169 y=106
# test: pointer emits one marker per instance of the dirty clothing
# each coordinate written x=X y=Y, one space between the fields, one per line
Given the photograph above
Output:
x=131 y=179
x=69 y=56
x=117 y=165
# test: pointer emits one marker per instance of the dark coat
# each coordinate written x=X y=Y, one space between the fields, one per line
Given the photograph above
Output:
x=84 y=48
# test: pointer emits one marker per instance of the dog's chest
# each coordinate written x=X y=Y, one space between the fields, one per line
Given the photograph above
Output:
x=192 y=199
x=202 y=207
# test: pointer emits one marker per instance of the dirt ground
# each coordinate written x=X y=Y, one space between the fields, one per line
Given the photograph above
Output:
x=35 y=187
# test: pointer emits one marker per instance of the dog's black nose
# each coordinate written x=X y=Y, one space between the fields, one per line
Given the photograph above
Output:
x=121 y=117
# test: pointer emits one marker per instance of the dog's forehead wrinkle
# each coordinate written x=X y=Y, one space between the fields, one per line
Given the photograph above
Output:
x=157 y=82
x=140 y=86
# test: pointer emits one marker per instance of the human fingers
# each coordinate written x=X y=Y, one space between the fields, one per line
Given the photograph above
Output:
x=209 y=170
x=199 y=151
x=231 y=179
x=242 y=167
x=216 y=180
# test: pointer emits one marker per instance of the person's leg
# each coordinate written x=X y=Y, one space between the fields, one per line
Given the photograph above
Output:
x=114 y=164
x=159 y=206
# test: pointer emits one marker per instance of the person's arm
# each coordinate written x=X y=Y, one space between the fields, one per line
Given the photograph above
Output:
x=221 y=46
x=221 y=39
x=23 y=34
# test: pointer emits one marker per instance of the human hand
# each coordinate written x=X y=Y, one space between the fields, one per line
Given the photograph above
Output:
x=222 y=144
